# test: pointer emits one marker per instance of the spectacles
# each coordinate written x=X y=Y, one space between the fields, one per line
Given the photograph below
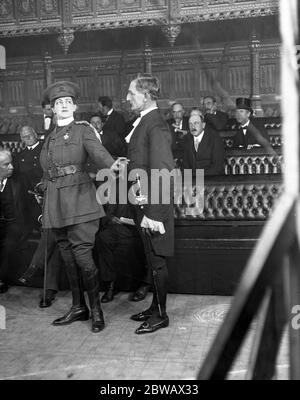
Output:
x=61 y=102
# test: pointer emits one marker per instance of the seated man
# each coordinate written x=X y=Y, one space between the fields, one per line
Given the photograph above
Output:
x=119 y=229
x=251 y=132
x=203 y=148
x=213 y=117
x=15 y=217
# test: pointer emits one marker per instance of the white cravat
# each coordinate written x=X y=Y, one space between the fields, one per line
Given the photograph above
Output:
x=138 y=120
x=3 y=184
x=197 y=140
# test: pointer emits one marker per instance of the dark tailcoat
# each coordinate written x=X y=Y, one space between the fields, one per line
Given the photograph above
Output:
x=217 y=121
x=209 y=156
x=71 y=199
x=149 y=149
x=113 y=143
x=39 y=125
x=115 y=122
x=178 y=137
x=256 y=134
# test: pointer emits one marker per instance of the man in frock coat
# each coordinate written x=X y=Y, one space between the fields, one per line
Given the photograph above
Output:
x=149 y=149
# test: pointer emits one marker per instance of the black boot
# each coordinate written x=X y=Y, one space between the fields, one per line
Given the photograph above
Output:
x=79 y=310
x=109 y=293
x=28 y=274
x=92 y=286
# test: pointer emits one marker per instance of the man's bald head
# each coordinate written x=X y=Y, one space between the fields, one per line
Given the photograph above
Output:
x=28 y=136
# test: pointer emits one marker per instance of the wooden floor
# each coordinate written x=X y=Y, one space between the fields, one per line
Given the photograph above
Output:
x=31 y=348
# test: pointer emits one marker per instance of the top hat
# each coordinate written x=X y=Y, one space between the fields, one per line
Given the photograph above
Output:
x=61 y=89
x=244 y=104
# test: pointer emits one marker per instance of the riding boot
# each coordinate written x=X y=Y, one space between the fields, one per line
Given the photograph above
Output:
x=92 y=287
x=79 y=310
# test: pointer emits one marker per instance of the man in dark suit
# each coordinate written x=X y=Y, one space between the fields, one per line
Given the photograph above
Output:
x=213 y=117
x=28 y=160
x=251 y=132
x=113 y=121
x=179 y=126
x=15 y=219
x=149 y=150
x=46 y=122
x=203 y=148
x=111 y=140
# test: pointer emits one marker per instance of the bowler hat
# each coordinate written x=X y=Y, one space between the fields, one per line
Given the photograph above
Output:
x=61 y=89
x=244 y=104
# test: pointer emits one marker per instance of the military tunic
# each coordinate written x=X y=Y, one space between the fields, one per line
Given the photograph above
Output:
x=71 y=199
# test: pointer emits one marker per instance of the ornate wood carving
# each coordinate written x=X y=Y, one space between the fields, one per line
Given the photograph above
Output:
x=65 y=38
x=186 y=75
x=33 y=17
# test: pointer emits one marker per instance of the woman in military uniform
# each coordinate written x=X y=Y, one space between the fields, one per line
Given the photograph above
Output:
x=70 y=207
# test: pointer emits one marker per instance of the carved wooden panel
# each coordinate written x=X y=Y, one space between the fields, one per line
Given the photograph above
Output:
x=37 y=90
x=239 y=80
x=27 y=9
x=31 y=17
x=107 y=86
x=106 y=6
x=82 y=7
x=207 y=77
x=49 y=9
x=15 y=93
x=183 y=76
x=184 y=83
x=129 y=5
x=164 y=78
x=155 y=4
x=268 y=78
x=87 y=88
x=6 y=10
x=2 y=94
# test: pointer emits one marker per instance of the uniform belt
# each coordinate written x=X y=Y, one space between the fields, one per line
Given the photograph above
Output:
x=57 y=172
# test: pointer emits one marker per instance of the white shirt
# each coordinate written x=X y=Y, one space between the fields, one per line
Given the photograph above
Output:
x=3 y=184
x=245 y=126
x=197 y=140
x=109 y=112
x=138 y=120
x=33 y=147
x=64 y=122
x=47 y=122
x=178 y=126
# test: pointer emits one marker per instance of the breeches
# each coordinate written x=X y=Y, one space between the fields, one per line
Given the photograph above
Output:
x=76 y=243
